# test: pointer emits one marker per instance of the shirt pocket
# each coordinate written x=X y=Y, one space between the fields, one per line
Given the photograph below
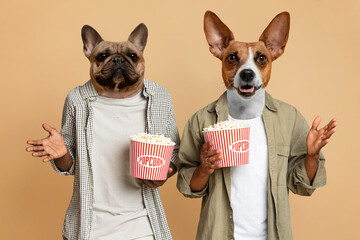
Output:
x=282 y=157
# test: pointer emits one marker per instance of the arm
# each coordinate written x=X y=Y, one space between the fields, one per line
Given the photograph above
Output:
x=172 y=133
x=306 y=170
x=200 y=178
x=316 y=140
x=194 y=161
x=68 y=132
x=58 y=148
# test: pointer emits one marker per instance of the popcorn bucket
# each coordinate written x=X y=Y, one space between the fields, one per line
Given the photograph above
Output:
x=233 y=143
x=149 y=161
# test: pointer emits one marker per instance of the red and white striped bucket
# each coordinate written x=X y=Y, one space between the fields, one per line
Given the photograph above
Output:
x=234 y=144
x=149 y=161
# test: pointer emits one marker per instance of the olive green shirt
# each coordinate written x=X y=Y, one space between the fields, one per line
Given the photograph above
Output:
x=286 y=132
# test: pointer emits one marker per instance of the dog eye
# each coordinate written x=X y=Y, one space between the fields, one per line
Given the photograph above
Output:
x=261 y=59
x=102 y=56
x=133 y=57
x=232 y=58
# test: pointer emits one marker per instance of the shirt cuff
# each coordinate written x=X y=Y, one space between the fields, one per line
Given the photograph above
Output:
x=69 y=172
x=174 y=155
x=183 y=183
x=319 y=178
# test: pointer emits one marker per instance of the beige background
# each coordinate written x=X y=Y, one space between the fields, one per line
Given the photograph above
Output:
x=41 y=59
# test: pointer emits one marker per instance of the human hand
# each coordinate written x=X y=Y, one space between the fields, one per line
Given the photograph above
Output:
x=317 y=139
x=51 y=147
x=158 y=183
x=208 y=158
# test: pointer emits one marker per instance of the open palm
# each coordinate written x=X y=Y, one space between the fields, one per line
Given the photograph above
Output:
x=51 y=147
x=317 y=139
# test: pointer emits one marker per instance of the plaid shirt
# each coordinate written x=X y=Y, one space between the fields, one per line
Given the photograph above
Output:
x=77 y=125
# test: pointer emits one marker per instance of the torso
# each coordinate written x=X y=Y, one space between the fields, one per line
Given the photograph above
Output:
x=116 y=216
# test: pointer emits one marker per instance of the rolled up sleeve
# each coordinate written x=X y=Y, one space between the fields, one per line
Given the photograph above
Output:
x=172 y=132
x=298 y=180
x=68 y=129
x=189 y=158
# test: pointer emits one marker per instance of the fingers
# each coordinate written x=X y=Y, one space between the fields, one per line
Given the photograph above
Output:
x=40 y=154
x=152 y=184
x=35 y=148
x=214 y=165
x=329 y=129
x=40 y=142
x=40 y=148
x=38 y=151
x=326 y=132
x=210 y=157
x=213 y=156
x=210 y=153
x=206 y=146
x=316 y=123
x=48 y=128
x=330 y=132
x=43 y=154
x=35 y=142
x=148 y=183
x=206 y=150
x=47 y=159
x=324 y=142
x=171 y=172
x=158 y=183
x=212 y=161
x=332 y=124
x=326 y=137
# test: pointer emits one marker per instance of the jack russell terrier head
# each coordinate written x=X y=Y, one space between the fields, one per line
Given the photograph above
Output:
x=246 y=67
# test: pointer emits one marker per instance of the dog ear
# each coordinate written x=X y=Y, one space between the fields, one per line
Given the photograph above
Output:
x=138 y=36
x=90 y=38
x=276 y=34
x=218 y=35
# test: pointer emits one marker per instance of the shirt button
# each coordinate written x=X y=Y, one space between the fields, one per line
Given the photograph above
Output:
x=230 y=217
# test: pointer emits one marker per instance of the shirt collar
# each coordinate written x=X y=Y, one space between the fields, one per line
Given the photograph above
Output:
x=270 y=103
x=88 y=90
x=148 y=88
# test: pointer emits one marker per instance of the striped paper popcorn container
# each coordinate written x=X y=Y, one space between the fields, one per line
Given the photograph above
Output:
x=233 y=142
x=150 y=160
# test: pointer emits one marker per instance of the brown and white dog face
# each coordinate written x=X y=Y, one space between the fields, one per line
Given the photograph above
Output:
x=246 y=66
x=115 y=66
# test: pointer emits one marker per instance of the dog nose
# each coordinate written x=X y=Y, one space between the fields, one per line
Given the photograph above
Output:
x=247 y=75
x=118 y=59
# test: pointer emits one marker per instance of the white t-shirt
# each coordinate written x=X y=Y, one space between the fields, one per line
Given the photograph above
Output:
x=249 y=187
x=118 y=207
